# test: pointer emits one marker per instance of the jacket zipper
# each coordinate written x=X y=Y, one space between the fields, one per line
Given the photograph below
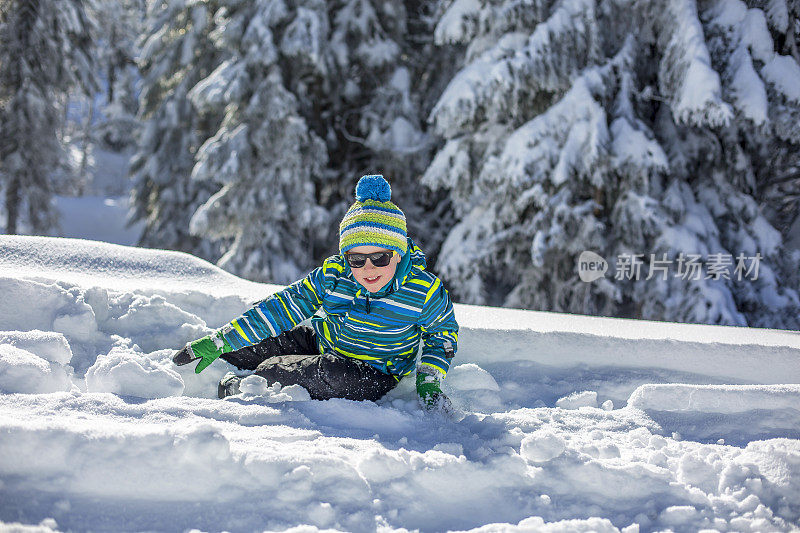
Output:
x=367 y=303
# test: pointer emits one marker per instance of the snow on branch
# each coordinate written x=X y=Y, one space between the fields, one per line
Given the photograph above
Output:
x=567 y=141
x=685 y=71
x=226 y=84
x=459 y=24
x=504 y=80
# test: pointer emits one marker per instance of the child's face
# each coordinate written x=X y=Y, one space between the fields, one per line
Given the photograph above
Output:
x=371 y=277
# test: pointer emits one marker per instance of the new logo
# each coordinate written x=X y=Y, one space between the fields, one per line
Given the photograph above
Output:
x=591 y=266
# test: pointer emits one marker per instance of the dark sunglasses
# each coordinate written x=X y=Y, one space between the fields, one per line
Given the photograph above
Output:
x=379 y=259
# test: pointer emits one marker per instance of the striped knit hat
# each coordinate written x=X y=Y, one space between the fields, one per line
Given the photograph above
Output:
x=373 y=220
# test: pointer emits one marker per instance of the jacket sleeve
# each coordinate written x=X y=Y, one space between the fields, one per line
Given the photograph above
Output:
x=439 y=330
x=283 y=310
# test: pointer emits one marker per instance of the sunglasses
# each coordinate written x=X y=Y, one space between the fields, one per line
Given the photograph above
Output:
x=379 y=259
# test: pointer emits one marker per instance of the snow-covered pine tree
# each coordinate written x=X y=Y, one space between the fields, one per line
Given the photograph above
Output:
x=299 y=82
x=621 y=128
x=780 y=189
x=176 y=53
x=384 y=53
x=263 y=160
x=120 y=24
x=45 y=52
x=393 y=72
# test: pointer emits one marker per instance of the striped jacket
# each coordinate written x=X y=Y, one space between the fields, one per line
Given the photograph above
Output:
x=383 y=329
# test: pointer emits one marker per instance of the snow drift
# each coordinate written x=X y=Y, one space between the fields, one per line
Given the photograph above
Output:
x=565 y=423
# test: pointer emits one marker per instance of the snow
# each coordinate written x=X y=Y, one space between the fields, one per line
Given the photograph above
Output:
x=784 y=73
x=631 y=146
x=476 y=87
x=224 y=85
x=748 y=89
x=749 y=27
x=450 y=167
x=578 y=399
x=24 y=371
x=126 y=372
x=99 y=218
x=459 y=23
x=695 y=84
x=716 y=398
x=698 y=426
x=542 y=446
x=567 y=140
x=98 y=264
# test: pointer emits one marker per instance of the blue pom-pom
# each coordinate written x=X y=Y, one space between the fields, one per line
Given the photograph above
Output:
x=373 y=187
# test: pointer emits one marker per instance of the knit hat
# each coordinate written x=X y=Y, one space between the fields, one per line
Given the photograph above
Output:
x=373 y=220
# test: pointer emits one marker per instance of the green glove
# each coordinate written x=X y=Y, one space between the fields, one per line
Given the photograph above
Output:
x=205 y=349
x=430 y=393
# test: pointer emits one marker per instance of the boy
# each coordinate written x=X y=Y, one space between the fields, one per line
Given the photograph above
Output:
x=369 y=307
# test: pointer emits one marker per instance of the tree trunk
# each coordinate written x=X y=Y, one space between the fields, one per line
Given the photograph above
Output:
x=12 y=205
x=111 y=65
x=87 y=133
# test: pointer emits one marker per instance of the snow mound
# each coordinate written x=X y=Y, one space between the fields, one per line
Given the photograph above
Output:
x=471 y=377
x=576 y=400
x=113 y=266
x=542 y=446
x=127 y=372
x=254 y=386
x=48 y=345
x=735 y=354
x=34 y=362
x=23 y=371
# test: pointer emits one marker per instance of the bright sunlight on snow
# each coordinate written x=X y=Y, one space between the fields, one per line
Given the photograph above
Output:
x=564 y=423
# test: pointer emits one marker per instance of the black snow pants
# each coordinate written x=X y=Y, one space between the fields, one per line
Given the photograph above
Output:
x=292 y=358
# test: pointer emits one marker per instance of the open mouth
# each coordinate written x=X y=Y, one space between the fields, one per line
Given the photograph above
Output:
x=372 y=280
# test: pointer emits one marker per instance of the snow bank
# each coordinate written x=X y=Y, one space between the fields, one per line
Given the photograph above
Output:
x=716 y=398
x=112 y=308
x=116 y=267
x=748 y=355
x=736 y=414
x=97 y=294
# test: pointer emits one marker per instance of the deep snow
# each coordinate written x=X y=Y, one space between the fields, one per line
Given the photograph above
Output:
x=564 y=423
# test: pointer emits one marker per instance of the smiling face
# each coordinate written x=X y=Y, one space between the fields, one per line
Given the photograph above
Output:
x=371 y=277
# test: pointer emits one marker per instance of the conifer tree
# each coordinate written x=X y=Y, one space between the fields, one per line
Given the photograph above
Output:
x=393 y=72
x=176 y=53
x=313 y=95
x=624 y=129
x=263 y=159
x=45 y=52
x=120 y=24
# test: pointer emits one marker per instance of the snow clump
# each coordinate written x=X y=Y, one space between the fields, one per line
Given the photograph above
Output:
x=542 y=446
x=577 y=400
x=127 y=372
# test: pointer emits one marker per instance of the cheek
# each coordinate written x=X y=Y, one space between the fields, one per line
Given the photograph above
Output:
x=386 y=272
